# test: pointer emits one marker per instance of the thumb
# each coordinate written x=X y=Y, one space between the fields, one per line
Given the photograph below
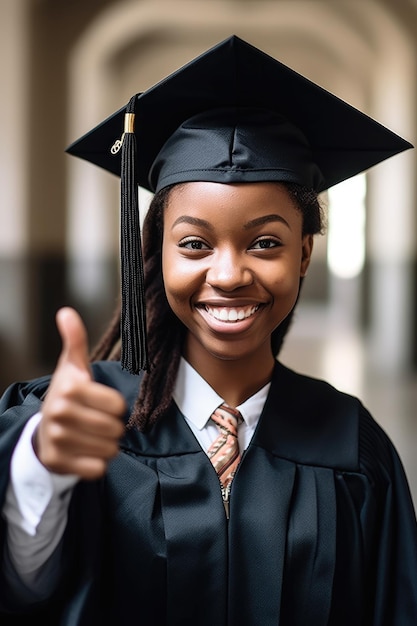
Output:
x=74 y=338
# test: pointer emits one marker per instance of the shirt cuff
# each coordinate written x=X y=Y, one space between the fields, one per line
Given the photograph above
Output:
x=33 y=485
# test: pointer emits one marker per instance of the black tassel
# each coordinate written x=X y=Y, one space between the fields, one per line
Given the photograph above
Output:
x=134 y=355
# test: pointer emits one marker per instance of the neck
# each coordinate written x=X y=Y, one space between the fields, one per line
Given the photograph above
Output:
x=234 y=381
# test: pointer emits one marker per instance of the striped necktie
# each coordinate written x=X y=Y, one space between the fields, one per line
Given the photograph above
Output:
x=224 y=451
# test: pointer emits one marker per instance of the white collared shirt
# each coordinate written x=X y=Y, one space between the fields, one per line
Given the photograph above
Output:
x=197 y=401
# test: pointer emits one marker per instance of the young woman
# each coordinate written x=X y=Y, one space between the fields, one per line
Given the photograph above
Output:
x=121 y=503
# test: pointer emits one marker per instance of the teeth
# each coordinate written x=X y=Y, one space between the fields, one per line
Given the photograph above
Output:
x=231 y=315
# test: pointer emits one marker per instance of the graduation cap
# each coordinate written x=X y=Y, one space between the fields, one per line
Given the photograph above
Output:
x=233 y=114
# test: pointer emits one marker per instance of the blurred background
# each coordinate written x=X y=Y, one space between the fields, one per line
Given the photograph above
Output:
x=67 y=64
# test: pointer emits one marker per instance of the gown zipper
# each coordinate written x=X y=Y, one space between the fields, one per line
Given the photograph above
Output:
x=226 y=498
x=226 y=490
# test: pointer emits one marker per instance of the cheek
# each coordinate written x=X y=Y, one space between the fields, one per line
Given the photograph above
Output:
x=284 y=286
x=180 y=272
x=169 y=277
x=178 y=280
x=286 y=278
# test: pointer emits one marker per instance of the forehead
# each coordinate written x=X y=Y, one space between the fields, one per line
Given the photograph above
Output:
x=242 y=200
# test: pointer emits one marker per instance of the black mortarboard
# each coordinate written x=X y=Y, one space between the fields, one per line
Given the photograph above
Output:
x=233 y=114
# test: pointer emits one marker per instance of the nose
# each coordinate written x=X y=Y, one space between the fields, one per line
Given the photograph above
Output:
x=229 y=270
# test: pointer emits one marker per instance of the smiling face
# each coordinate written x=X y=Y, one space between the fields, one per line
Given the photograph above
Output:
x=232 y=258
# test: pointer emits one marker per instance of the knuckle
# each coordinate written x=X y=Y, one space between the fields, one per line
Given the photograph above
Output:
x=122 y=406
x=95 y=469
x=56 y=434
x=119 y=429
x=69 y=388
x=111 y=450
x=118 y=404
x=53 y=461
x=57 y=406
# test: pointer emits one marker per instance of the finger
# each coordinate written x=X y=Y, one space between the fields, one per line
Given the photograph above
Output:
x=74 y=339
x=75 y=395
x=85 y=421
x=89 y=468
x=102 y=398
x=86 y=468
x=65 y=445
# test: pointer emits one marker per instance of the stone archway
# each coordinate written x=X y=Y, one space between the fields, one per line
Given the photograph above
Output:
x=358 y=52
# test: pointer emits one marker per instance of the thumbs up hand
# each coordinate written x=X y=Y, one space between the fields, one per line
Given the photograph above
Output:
x=81 y=419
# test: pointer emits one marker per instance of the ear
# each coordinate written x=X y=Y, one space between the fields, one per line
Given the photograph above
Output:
x=306 y=250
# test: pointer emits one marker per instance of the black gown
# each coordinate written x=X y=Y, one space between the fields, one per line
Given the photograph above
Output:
x=322 y=529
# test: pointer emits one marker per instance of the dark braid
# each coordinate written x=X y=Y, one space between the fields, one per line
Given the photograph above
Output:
x=165 y=332
x=308 y=203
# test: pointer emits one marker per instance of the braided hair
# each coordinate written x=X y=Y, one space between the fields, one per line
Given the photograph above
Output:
x=165 y=331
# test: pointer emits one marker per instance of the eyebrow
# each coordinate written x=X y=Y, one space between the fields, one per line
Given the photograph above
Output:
x=265 y=219
x=258 y=221
x=194 y=221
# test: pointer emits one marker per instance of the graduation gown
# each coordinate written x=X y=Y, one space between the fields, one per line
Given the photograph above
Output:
x=322 y=530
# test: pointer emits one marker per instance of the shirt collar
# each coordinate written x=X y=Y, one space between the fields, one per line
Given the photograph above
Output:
x=197 y=400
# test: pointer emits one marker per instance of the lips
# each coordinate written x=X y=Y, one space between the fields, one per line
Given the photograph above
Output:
x=231 y=314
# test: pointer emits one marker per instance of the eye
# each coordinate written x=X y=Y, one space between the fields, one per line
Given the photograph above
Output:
x=191 y=243
x=266 y=243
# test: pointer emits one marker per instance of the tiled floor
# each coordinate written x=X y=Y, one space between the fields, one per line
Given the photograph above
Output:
x=340 y=358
